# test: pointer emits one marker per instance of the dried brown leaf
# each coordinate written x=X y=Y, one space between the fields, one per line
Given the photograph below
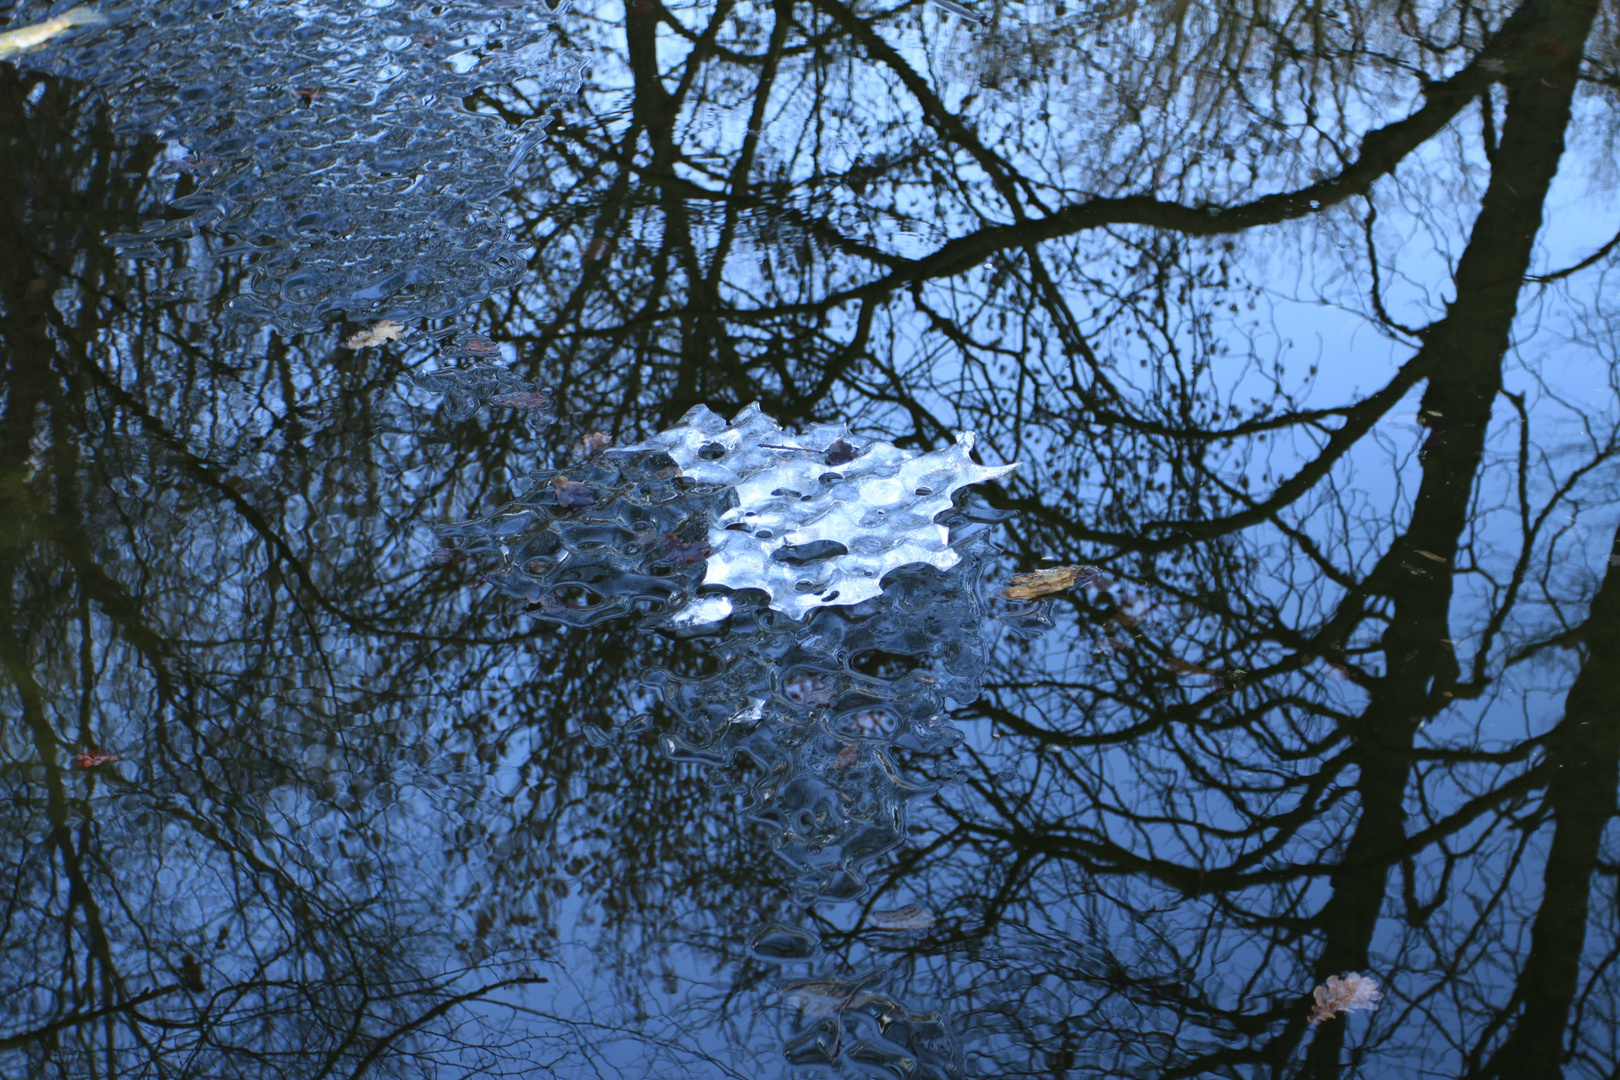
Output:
x=1055 y=579
x=1351 y=993
x=593 y=444
x=571 y=494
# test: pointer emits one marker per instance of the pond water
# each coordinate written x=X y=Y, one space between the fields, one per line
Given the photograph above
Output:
x=509 y=518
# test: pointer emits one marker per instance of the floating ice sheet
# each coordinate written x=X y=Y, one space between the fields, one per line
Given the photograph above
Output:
x=822 y=516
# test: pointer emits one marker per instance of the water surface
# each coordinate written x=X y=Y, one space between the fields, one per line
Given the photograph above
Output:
x=365 y=710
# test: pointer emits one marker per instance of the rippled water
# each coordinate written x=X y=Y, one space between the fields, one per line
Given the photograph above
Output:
x=451 y=453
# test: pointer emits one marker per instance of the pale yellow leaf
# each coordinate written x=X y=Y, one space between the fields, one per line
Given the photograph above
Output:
x=386 y=330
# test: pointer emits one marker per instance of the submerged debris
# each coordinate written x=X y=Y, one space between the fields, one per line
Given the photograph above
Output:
x=464 y=390
x=910 y=917
x=1351 y=993
x=523 y=399
x=92 y=759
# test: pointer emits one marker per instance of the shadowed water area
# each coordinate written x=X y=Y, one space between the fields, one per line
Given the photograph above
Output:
x=507 y=516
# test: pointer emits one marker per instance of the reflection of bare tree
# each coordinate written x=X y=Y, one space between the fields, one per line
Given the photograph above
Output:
x=1279 y=746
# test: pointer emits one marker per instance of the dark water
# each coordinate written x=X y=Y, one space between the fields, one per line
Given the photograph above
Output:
x=363 y=715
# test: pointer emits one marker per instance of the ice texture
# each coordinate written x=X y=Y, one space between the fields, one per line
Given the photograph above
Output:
x=325 y=144
x=809 y=533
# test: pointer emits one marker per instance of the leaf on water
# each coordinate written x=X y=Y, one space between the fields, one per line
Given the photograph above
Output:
x=1054 y=579
x=480 y=347
x=910 y=917
x=16 y=42
x=1351 y=993
x=386 y=330
x=847 y=756
x=571 y=494
x=92 y=759
x=593 y=444
x=527 y=399
x=1431 y=555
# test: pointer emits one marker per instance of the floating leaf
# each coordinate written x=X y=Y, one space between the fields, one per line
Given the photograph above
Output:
x=92 y=759
x=1054 y=579
x=16 y=42
x=1431 y=555
x=571 y=494
x=386 y=330
x=593 y=444
x=910 y=917
x=480 y=347
x=1351 y=993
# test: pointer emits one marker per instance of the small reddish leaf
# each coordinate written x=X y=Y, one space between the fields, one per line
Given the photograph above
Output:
x=92 y=759
x=523 y=399
x=684 y=551
x=480 y=347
